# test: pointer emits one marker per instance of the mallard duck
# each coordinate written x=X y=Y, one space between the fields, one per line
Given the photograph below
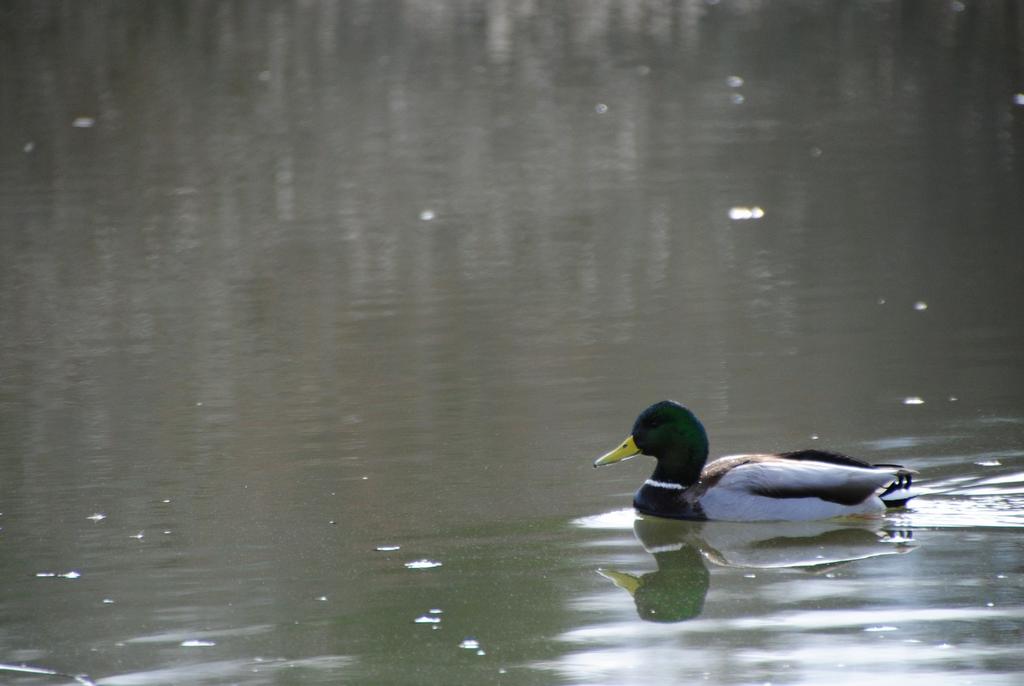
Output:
x=799 y=485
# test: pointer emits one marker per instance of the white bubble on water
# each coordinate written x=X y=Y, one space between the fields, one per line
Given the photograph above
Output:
x=424 y=619
x=97 y=517
x=387 y=548
x=422 y=564
x=601 y=108
x=913 y=400
x=734 y=81
x=920 y=306
x=470 y=644
x=83 y=122
x=196 y=643
x=744 y=213
x=427 y=215
x=73 y=574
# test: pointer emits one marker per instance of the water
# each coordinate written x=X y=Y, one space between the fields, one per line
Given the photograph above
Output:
x=293 y=296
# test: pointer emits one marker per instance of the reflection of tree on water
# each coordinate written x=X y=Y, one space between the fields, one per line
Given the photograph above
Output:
x=676 y=590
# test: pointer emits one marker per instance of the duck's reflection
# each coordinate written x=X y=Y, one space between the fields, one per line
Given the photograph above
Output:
x=673 y=592
x=676 y=590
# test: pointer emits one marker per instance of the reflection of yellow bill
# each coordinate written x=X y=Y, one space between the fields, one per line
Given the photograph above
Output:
x=625 y=451
x=626 y=582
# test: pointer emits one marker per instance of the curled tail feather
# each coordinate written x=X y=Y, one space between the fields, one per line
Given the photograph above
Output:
x=899 y=491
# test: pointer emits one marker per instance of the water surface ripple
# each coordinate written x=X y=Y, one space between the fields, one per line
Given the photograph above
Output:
x=313 y=317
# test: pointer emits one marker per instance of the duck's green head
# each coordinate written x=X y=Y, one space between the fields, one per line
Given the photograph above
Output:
x=669 y=432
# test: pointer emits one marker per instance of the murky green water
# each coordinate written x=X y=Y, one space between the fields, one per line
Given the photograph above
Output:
x=284 y=284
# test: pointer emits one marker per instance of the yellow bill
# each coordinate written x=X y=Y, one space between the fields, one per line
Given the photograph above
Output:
x=625 y=451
